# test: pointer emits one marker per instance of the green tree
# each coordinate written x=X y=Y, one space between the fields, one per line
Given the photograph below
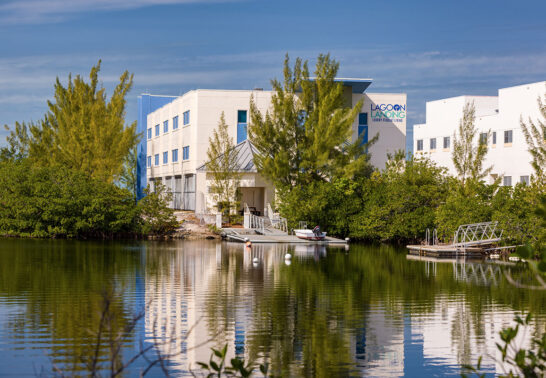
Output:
x=223 y=168
x=82 y=129
x=514 y=208
x=128 y=177
x=464 y=205
x=59 y=202
x=535 y=135
x=403 y=200
x=156 y=217
x=306 y=135
x=467 y=157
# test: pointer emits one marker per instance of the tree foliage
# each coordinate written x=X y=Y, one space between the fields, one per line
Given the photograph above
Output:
x=222 y=167
x=306 y=135
x=397 y=205
x=535 y=136
x=128 y=177
x=82 y=130
x=468 y=157
x=156 y=217
x=58 y=202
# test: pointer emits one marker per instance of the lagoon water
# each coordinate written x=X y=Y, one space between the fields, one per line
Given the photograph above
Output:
x=366 y=311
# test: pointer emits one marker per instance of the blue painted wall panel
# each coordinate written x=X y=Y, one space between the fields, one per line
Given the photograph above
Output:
x=146 y=105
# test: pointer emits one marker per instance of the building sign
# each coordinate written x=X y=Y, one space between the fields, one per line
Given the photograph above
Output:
x=388 y=112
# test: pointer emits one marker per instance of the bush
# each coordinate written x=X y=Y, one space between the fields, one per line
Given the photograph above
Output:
x=155 y=215
x=59 y=202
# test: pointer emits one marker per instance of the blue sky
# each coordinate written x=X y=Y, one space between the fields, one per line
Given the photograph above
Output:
x=427 y=49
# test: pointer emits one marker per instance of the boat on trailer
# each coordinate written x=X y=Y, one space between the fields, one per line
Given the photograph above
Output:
x=310 y=234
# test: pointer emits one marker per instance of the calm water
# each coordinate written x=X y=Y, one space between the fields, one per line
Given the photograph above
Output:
x=330 y=312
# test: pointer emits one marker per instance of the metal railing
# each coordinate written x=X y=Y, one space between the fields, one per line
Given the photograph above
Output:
x=257 y=222
x=477 y=233
x=276 y=220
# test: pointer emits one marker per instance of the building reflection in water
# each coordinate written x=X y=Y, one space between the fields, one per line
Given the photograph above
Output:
x=219 y=290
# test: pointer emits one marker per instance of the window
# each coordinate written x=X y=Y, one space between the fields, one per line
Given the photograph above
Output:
x=483 y=138
x=507 y=181
x=494 y=137
x=156 y=130
x=524 y=180
x=186 y=153
x=241 y=126
x=186 y=117
x=363 y=127
x=175 y=155
x=432 y=143
x=447 y=142
x=166 y=126
x=150 y=133
x=165 y=157
x=508 y=136
x=420 y=145
x=156 y=159
x=149 y=161
x=175 y=123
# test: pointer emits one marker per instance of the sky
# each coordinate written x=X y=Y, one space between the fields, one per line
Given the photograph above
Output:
x=426 y=49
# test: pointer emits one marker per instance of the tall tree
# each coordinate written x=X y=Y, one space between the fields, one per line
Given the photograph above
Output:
x=222 y=166
x=306 y=136
x=128 y=177
x=82 y=129
x=535 y=135
x=467 y=156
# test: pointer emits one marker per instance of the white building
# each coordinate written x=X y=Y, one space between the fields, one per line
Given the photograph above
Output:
x=176 y=138
x=508 y=150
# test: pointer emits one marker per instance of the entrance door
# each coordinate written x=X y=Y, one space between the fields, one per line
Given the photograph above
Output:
x=254 y=198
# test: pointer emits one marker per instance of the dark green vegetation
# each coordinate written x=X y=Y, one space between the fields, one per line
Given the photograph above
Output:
x=399 y=203
x=72 y=174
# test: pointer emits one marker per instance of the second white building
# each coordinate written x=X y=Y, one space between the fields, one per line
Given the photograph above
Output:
x=508 y=151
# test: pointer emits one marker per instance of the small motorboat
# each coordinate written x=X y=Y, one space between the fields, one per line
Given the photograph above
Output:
x=314 y=234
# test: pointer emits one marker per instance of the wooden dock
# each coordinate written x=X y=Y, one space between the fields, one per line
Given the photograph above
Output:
x=471 y=240
x=446 y=251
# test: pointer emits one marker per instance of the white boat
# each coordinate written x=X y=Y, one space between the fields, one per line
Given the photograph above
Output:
x=309 y=235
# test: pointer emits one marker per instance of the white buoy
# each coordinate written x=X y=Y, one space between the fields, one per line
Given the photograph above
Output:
x=288 y=261
x=288 y=256
x=255 y=260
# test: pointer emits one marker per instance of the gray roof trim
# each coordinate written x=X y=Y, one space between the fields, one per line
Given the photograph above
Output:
x=245 y=157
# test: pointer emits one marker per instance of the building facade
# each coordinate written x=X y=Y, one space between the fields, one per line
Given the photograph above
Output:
x=500 y=115
x=177 y=137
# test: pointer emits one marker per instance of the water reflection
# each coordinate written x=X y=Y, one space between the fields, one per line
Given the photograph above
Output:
x=323 y=312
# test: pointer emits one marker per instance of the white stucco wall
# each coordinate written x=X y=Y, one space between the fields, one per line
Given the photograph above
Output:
x=496 y=114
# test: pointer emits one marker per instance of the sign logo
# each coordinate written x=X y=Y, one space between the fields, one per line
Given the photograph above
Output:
x=388 y=112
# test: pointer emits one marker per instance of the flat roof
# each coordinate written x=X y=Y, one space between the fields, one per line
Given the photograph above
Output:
x=358 y=85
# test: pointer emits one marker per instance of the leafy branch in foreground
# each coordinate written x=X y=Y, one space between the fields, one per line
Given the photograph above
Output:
x=217 y=366
x=522 y=362
x=105 y=354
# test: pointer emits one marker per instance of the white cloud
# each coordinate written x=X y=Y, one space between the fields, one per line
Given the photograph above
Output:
x=424 y=76
x=47 y=11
